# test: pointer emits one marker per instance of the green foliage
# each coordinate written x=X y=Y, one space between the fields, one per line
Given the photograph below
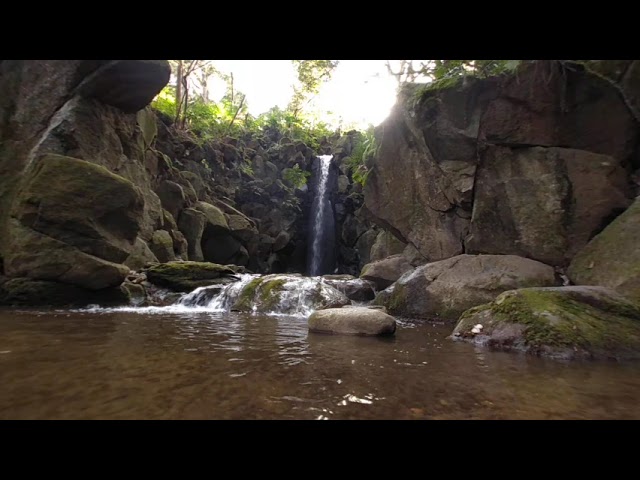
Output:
x=165 y=101
x=442 y=72
x=246 y=168
x=311 y=75
x=365 y=148
x=296 y=176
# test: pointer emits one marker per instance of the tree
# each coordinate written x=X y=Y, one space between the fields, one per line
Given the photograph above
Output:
x=311 y=75
x=183 y=71
x=433 y=70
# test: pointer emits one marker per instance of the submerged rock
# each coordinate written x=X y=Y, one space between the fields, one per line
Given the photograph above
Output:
x=187 y=276
x=561 y=322
x=384 y=272
x=352 y=321
x=288 y=294
x=447 y=288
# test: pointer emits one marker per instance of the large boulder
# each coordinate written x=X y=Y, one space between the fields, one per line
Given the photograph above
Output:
x=612 y=258
x=129 y=85
x=352 y=321
x=288 y=294
x=543 y=203
x=447 y=288
x=140 y=256
x=215 y=219
x=563 y=322
x=386 y=244
x=172 y=197
x=82 y=205
x=191 y=223
x=187 y=276
x=384 y=272
x=162 y=246
x=42 y=257
x=73 y=222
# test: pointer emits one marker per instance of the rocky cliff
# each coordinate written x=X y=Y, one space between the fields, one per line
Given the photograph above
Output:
x=94 y=184
x=533 y=164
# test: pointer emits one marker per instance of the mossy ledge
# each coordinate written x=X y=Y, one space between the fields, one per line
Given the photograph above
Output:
x=187 y=276
x=562 y=322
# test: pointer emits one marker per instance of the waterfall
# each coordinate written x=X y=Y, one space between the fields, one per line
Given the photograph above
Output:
x=322 y=209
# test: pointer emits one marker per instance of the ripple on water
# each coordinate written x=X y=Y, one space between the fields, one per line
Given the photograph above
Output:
x=115 y=363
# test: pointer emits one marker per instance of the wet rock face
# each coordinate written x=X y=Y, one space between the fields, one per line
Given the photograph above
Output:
x=563 y=322
x=447 y=288
x=352 y=321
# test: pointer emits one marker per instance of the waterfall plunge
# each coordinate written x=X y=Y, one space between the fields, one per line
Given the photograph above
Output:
x=322 y=210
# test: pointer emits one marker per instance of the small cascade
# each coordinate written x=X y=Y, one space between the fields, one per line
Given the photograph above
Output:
x=217 y=297
x=323 y=211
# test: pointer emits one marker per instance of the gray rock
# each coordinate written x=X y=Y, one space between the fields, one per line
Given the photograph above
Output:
x=352 y=321
x=384 y=272
x=447 y=288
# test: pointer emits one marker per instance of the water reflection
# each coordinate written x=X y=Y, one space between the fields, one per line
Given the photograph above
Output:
x=228 y=366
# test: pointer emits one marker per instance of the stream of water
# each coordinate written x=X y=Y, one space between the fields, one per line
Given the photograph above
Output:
x=190 y=364
x=323 y=208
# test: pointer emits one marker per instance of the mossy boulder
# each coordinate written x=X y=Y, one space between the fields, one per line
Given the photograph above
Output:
x=560 y=322
x=447 y=288
x=187 y=276
x=612 y=258
x=352 y=321
x=42 y=257
x=81 y=204
x=140 y=256
x=162 y=246
x=29 y=293
x=287 y=294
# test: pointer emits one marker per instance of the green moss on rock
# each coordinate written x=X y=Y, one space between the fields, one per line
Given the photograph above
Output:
x=245 y=300
x=270 y=293
x=561 y=322
x=187 y=276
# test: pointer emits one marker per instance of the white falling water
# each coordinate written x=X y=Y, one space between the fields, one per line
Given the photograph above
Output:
x=318 y=221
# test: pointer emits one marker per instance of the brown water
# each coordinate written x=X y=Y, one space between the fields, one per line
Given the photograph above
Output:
x=116 y=365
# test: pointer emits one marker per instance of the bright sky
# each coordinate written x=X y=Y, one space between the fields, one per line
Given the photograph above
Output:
x=359 y=92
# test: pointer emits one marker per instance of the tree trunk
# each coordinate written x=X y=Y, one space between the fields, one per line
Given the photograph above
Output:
x=178 y=91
